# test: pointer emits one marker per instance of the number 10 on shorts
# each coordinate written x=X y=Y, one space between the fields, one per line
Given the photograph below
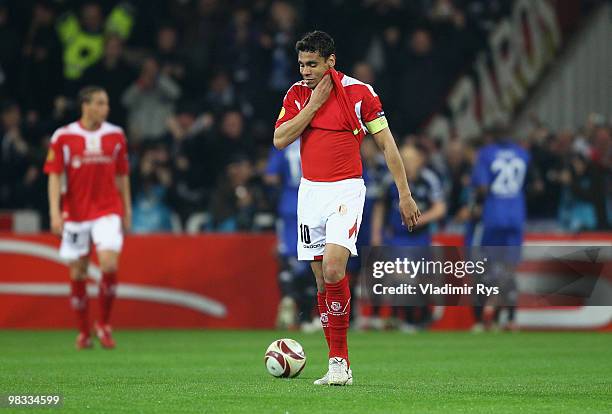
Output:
x=304 y=234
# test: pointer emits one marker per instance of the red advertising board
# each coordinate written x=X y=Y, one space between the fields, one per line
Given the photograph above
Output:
x=166 y=281
x=208 y=281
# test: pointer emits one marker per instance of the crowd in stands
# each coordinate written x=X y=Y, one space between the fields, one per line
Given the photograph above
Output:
x=197 y=86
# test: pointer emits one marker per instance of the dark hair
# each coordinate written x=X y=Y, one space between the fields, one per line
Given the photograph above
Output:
x=317 y=41
x=87 y=93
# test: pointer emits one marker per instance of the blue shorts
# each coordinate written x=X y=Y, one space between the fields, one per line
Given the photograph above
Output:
x=502 y=236
x=510 y=240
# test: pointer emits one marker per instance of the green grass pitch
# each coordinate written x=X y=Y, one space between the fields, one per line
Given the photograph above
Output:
x=223 y=371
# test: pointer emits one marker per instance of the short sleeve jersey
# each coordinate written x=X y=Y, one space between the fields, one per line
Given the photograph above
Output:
x=502 y=168
x=90 y=161
x=329 y=153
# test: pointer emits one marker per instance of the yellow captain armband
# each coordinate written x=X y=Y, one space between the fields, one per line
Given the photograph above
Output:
x=377 y=125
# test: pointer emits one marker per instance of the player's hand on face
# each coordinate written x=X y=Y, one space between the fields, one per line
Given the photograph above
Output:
x=409 y=211
x=321 y=92
x=57 y=224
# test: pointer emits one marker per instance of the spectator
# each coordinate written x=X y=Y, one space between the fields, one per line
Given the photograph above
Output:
x=577 y=209
x=193 y=175
x=171 y=61
x=237 y=197
x=16 y=168
x=221 y=93
x=364 y=72
x=150 y=101
x=9 y=52
x=229 y=141
x=245 y=60
x=458 y=175
x=601 y=165
x=113 y=74
x=202 y=30
x=153 y=180
x=83 y=37
x=42 y=66
x=420 y=77
x=281 y=36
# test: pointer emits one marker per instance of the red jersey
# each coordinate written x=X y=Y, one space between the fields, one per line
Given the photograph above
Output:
x=90 y=160
x=329 y=151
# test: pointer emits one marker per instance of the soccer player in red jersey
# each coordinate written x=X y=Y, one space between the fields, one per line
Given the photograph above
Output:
x=332 y=112
x=91 y=157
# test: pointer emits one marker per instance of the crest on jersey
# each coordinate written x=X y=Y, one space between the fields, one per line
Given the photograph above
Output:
x=76 y=162
x=336 y=306
x=282 y=113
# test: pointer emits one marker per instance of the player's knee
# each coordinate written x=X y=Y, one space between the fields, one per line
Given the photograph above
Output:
x=78 y=272
x=333 y=271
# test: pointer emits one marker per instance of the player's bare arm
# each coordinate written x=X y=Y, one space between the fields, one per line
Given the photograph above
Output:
x=123 y=184
x=408 y=208
x=55 y=213
x=288 y=132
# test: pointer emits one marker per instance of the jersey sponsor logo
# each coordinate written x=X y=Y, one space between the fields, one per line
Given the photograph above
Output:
x=78 y=161
x=282 y=113
x=97 y=159
x=313 y=246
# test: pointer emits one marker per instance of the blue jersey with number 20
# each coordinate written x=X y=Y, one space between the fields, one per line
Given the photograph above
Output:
x=501 y=168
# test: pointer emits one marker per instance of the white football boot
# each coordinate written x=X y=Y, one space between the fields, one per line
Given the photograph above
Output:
x=325 y=379
x=338 y=373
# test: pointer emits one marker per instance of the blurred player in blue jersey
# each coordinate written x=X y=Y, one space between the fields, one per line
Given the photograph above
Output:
x=498 y=182
x=387 y=222
x=295 y=279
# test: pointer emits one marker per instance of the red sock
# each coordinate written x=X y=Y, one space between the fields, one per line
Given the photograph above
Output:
x=338 y=301
x=108 y=288
x=323 y=314
x=79 y=302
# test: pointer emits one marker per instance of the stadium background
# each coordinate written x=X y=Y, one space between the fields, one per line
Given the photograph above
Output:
x=197 y=85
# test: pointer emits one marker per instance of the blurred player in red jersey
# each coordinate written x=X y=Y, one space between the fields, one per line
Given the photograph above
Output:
x=332 y=112
x=91 y=155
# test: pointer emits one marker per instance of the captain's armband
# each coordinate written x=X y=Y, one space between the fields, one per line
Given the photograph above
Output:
x=377 y=125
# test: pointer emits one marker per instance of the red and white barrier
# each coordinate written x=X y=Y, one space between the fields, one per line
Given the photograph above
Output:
x=209 y=281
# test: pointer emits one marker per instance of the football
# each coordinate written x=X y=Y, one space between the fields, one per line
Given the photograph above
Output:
x=285 y=358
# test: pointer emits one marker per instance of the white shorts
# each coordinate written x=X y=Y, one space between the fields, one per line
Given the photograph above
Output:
x=105 y=232
x=329 y=212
